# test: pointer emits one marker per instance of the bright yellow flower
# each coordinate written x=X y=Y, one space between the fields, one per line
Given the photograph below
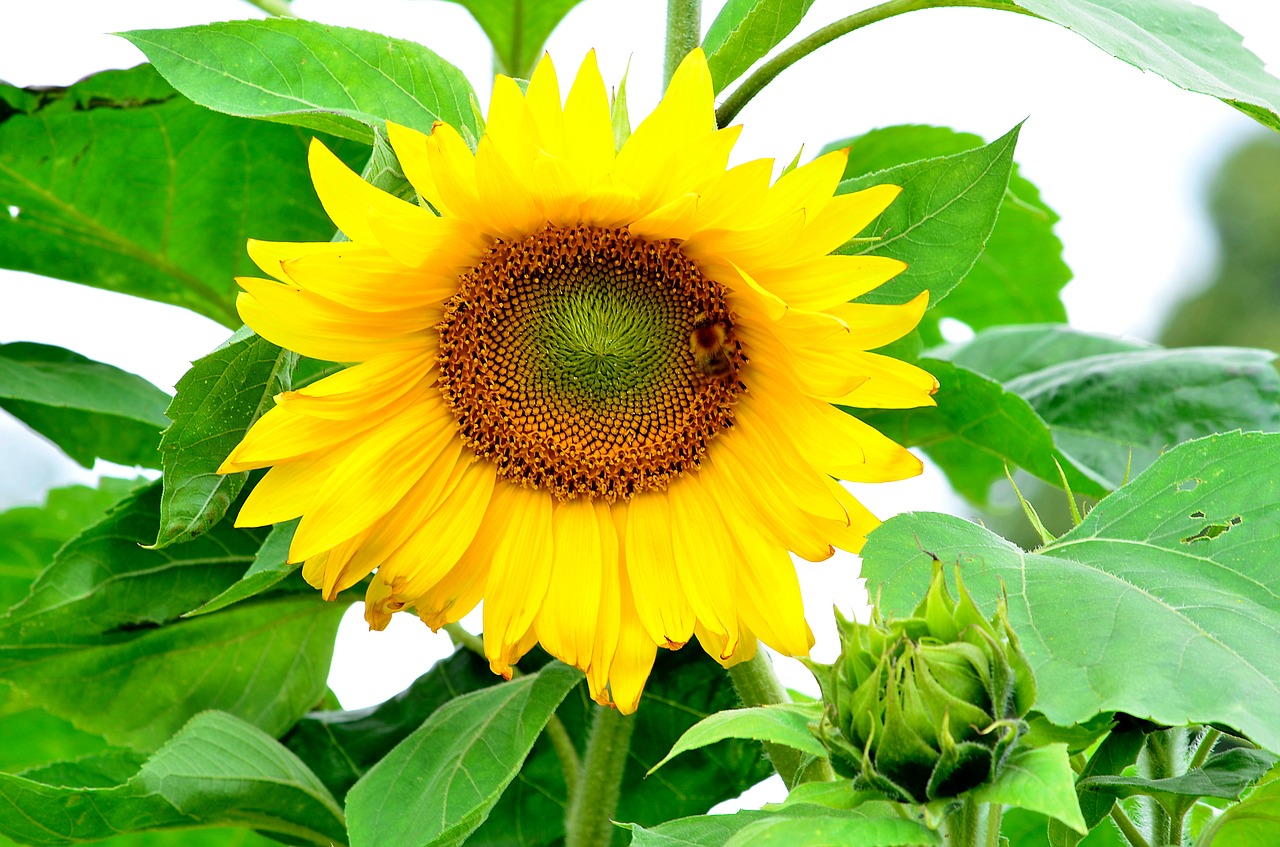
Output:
x=594 y=390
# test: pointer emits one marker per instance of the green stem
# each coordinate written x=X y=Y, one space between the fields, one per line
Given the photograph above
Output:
x=766 y=73
x=994 y=812
x=1166 y=755
x=758 y=685
x=684 y=32
x=279 y=8
x=1127 y=829
x=1204 y=747
x=963 y=827
x=589 y=818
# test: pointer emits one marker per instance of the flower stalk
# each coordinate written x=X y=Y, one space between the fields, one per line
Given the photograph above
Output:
x=767 y=72
x=592 y=806
x=684 y=32
x=758 y=685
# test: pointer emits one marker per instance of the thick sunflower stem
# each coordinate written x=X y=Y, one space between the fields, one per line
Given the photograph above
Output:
x=684 y=32
x=1166 y=756
x=974 y=824
x=758 y=685
x=766 y=73
x=592 y=805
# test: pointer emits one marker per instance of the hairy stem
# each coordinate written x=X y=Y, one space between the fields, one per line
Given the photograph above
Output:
x=593 y=803
x=684 y=32
x=1165 y=758
x=758 y=685
x=766 y=73
x=1127 y=829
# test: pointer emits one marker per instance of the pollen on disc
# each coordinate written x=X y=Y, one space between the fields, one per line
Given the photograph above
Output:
x=566 y=358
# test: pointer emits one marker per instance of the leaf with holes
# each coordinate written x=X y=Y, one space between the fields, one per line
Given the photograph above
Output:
x=342 y=81
x=1163 y=603
x=89 y=409
x=215 y=404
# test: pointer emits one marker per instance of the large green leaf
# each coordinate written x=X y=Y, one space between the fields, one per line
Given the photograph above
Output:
x=30 y=535
x=1226 y=775
x=341 y=746
x=1018 y=276
x=1162 y=604
x=270 y=567
x=1114 y=414
x=439 y=784
x=217 y=771
x=1005 y=352
x=121 y=183
x=518 y=29
x=1028 y=829
x=89 y=409
x=328 y=78
x=104 y=583
x=215 y=404
x=1182 y=42
x=266 y=662
x=942 y=220
x=745 y=31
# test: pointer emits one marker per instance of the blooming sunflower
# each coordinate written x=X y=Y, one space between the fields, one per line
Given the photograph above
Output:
x=590 y=385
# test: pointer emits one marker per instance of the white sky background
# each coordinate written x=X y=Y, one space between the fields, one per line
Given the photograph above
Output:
x=1121 y=155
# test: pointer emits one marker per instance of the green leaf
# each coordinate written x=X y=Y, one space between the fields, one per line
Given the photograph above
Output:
x=1182 y=42
x=745 y=31
x=518 y=29
x=942 y=220
x=683 y=688
x=827 y=831
x=977 y=418
x=89 y=409
x=1228 y=775
x=103 y=582
x=196 y=185
x=328 y=78
x=1253 y=821
x=439 y=784
x=342 y=746
x=801 y=826
x=1114 y=414
x=270 y=566
x=1018 y=276
x=217 y=771
x=215 y=404
x=1005 y=352
x=782 y=724
x=1039 y=779
x=1028 y=829
x=266 y=662
x=34 y=738
x=1161 y=604
x=30 y=535
x=1117 y=751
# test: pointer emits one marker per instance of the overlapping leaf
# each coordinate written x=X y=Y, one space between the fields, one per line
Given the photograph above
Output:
x=745 y=31
x=217 y=771
x=120 y=183
x=215 y=404
x=89 y=409
x=1177 y=563
x=341 y=81
x=517 y=29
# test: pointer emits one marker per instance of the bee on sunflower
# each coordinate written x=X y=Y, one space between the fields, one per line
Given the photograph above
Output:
x=591 y=385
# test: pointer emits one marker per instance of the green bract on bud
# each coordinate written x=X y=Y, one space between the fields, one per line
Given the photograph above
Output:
x=928 y=707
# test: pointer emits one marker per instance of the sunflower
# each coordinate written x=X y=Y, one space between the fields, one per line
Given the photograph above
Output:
x=589 y=384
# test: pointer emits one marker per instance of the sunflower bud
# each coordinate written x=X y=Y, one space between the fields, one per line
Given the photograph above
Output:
x=928 y=707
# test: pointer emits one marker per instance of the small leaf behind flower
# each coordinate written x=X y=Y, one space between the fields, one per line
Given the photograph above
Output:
x=786 y=724
x=745 y=31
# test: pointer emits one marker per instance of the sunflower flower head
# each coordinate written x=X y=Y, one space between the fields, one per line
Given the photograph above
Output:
x=591 y=386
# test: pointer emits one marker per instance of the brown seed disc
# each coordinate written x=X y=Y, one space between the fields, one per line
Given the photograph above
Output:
x=589 y=362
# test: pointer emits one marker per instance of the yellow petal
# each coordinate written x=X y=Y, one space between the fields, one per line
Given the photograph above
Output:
x=270 y=255
x=411 y=150
x=519 y=574
x=568 y=617
x=542 y=107
x=588 y=126
x=347 y=198
x=701 y=543
x=808 y=187
x=634 y=657
x=651 y=568
x=360 y=390
x=890 y=384
x=608 y=622
x=366 y=279
x=843 y=218
x=825 y=281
